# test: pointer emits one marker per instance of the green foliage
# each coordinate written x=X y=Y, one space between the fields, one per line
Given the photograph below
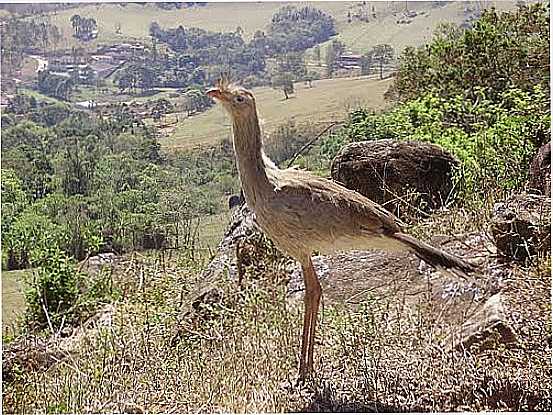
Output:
x=200 y=56
x=53 y=291
x=333 y=52
x=480 y=93
x=55 y=85
x=383 y=54
x=84 y=27
x=500 y=51
x=19 y=35
x=493 y=140
x=27 y=234
x=294 y=29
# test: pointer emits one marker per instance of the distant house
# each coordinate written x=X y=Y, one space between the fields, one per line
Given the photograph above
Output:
x=350 y=61
x=62 y=74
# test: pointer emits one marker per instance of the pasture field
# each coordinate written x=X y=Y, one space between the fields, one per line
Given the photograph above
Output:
x=360 y=37
x=13 y=302
x=134 y=20
x=327 y=101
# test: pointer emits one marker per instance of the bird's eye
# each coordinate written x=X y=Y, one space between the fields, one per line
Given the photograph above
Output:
x=239 y=99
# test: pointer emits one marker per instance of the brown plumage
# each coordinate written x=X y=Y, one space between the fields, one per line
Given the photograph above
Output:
x=303 y=213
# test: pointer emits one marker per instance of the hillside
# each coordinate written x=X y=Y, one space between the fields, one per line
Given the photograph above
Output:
x=135 y=19
x=320 y=103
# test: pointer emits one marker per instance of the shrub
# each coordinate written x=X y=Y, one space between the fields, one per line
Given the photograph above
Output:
x=493 y=139
x=500 y=51
x=53 y=291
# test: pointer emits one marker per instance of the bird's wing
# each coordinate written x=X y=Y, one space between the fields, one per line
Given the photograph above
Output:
x=309 y=195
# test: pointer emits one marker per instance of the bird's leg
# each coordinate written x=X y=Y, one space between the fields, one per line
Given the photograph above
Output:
x=311 y=301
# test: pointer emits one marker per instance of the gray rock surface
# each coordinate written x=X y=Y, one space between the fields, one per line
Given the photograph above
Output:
x=459 y=307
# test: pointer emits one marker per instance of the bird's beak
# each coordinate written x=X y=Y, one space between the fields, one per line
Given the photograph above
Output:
x=216 y=93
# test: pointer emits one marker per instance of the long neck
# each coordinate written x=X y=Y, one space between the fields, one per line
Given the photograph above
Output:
x=249 y=156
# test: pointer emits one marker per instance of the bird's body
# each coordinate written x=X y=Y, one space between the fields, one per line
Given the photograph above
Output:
x=303 y=213
x=315 y=214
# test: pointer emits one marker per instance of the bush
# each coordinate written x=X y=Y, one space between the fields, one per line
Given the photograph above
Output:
x=500 y=51
x=53 y=291
x=29 y=233
x=493 y=139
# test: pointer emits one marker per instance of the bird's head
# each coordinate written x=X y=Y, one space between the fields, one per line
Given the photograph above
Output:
x=239 y=102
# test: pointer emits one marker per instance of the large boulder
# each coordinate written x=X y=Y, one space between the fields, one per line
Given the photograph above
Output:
x=462 y=309
x=399 y=175
x=521 y=226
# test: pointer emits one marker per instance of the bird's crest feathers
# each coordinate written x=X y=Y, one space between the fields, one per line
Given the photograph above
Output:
x=225 y=83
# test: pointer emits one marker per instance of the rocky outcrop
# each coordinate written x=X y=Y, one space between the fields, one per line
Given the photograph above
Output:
x=399 y=175
x=540 y=171
x=521 y=226
x=460 y=308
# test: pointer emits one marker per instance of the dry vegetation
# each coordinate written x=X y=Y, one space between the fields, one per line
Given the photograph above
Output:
x=156 y=351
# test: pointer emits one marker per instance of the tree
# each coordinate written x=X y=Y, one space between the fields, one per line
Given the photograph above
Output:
x=84 y=27
x=333 y=53
x=294 y=30
x=317 y=54
x=293 y=64
x=502 y=50
x=196 y=101
x=285 y=82
x=161 y=108
x=366 y=63
x=76 y=24
x=383 y=54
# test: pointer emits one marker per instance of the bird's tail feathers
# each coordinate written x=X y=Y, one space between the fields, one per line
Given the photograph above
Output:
x=434 y=256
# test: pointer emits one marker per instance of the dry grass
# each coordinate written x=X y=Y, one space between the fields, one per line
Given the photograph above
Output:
x=239 y=351
x=135 y=19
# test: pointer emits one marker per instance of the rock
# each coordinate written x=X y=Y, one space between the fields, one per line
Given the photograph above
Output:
x=464 y=312
x=243 y=245
x=101 y=262
x=540 y=171
x=351 y=278
x=521 y=226
x=488 y=321
x=387 y=171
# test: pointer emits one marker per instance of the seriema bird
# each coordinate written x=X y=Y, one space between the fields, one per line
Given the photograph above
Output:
x=303 y=213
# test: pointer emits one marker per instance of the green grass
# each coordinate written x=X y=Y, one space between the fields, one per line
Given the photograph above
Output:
x=13 y=302
x=112 y=95
x=212 y=228
x=135 y=19
x=329 y=100
x=38 y=95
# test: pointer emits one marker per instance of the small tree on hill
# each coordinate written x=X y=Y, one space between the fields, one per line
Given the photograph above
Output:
x=383 y=54
x=285 y=82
